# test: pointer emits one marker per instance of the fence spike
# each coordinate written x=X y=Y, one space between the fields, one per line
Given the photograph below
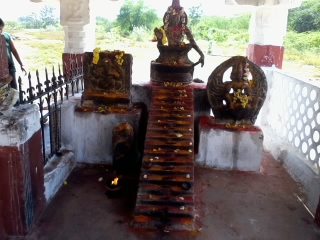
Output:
x=30 y=89
x=47 y=99
x=54 y=79
x=39 y=85
x=21 y=93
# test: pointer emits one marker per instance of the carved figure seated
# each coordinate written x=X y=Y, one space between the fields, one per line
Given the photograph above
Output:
x=175 y=28
x=238 y=100
x=106 y=71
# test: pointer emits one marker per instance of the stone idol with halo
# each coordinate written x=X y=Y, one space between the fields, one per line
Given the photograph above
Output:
x=238 y=98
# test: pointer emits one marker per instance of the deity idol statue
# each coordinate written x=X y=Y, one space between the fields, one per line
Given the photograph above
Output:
x=239 y=100
x=173 y=50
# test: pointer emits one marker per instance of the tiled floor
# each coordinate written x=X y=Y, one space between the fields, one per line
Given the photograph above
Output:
x=229 y=205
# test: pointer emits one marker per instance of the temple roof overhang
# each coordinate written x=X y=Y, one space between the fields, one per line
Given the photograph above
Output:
x=290 y=3
x=287 y=3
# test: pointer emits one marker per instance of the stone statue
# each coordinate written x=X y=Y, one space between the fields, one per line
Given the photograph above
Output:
x=175 y=28
x=239 y=100
x=107 y=80
x=173 y=63
x=123 y=147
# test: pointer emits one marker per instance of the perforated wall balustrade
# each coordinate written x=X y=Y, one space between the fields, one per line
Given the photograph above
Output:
x=294 y=113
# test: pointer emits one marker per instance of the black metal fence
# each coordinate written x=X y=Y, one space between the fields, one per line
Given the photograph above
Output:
x=49 y=94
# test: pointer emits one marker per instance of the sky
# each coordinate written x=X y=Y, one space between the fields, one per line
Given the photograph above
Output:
x=109 y=9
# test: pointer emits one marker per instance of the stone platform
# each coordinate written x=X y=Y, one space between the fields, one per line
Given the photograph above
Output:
x=229 y=147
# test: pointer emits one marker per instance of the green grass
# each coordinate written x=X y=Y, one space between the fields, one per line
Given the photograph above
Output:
x=44 y=55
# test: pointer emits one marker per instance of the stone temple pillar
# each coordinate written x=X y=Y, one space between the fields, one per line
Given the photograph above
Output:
x=268 y=26
x=78 y=20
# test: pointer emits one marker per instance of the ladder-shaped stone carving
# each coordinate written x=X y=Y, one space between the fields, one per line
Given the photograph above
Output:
x=165 y=198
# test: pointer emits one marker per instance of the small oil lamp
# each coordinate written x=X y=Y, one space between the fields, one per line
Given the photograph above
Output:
x=114 y=183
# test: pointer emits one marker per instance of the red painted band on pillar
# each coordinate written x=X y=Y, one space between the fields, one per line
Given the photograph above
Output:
x=70 y=60
x=266 y=55
x=22 y=198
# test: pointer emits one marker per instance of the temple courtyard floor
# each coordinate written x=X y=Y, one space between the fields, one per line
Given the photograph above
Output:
x=229 y=205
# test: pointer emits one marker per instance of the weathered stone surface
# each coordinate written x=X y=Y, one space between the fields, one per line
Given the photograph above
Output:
x=107 y=81
x=238 y=100
x=229 y=148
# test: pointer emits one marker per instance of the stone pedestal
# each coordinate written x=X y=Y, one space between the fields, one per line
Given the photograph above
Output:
x=171 y=73
x=89 y=133
x=229 y=147
x=21 y=171
x=172 y=65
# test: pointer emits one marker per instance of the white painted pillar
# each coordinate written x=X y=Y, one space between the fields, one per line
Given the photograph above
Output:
x=78 y=20
x=268 y=26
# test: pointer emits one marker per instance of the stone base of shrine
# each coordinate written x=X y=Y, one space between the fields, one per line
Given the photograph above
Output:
x=161 y=73
x=88 y=132
x=233 y=148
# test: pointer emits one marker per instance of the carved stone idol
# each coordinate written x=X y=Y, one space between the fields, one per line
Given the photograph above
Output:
x=123 y=147
x=107 y=78
x=238 y=100
x=173 y=64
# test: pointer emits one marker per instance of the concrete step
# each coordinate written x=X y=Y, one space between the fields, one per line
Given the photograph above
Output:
x=165 y=197
x=156 y=189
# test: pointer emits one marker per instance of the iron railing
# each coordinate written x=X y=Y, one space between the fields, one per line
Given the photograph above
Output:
x=49 y=95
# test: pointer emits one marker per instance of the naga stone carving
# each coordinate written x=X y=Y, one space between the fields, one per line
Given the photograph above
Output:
x=173 y=64
x=239 y=99
x=123 y=147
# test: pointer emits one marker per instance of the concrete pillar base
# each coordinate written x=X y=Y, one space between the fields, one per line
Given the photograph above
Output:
x=229 y=148
x=266 y=55
x=21 y=171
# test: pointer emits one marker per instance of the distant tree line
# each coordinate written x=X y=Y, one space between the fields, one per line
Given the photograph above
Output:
x=136 y=14
x=45 y=18
x=306 y=17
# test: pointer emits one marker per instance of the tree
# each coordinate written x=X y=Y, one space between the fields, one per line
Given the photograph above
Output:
x=135 y=14
x=30 y=21
x=42 y=19
x=305 y=18
x=104 y=24
x=195 y=15
x=47 y=16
